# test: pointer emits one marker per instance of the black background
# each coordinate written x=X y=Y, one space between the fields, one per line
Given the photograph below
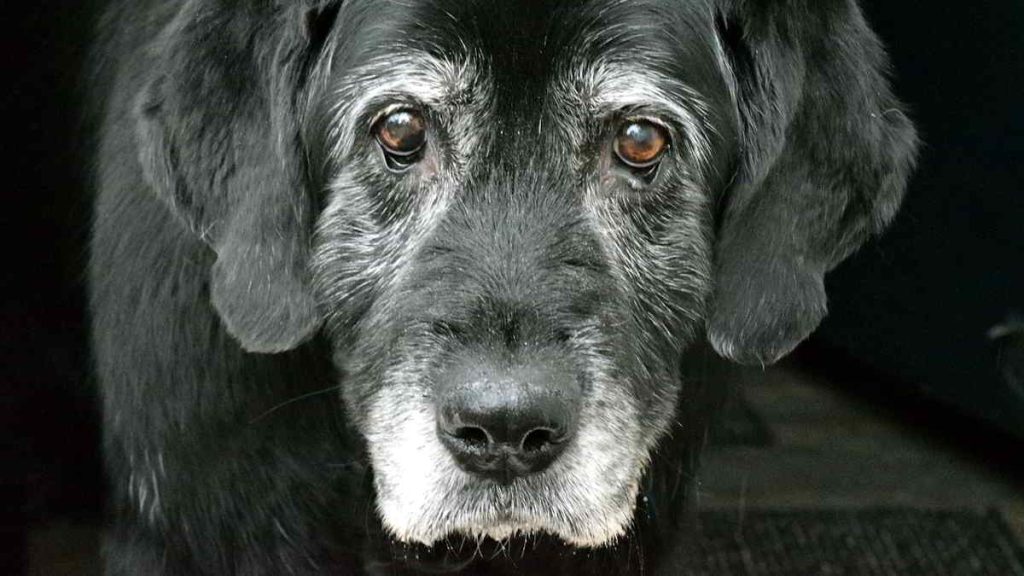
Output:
x=48 y=419
x=912 y=309
x=919 y=303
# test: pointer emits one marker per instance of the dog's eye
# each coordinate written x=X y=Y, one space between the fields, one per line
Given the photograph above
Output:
x=641 y=144
x=401 y=134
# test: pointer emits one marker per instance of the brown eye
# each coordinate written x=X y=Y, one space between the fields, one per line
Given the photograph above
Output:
x=401 y=135
x=640 y=143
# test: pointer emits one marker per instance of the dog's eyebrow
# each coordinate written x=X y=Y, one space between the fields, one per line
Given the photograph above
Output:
x=609 y=87
x=412 y=78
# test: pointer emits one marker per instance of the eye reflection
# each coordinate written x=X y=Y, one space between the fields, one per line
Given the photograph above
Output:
x=401 y=134
x=641 y=144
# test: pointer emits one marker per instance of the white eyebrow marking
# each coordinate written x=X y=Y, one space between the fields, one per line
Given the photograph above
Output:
x=608 y=86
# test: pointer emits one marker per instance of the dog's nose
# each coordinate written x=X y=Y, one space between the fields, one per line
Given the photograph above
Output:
x=503 y=423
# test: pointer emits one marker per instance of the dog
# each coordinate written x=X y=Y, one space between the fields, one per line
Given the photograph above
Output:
x=402 y=287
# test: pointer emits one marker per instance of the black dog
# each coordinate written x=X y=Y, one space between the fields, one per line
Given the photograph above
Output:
x=382 y=287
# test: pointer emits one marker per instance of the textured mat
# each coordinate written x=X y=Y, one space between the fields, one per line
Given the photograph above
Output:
x=897 y=542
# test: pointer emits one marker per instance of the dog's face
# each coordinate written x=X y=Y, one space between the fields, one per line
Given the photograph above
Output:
x=549 y=225
x=517 y=199
x=512 y=218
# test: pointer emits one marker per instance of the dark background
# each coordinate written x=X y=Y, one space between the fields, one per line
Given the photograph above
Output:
x=912 y=311
x=919 y=304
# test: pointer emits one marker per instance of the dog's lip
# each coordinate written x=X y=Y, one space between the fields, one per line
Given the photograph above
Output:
x=499 y=513
x=456 y=551
x=503 y=528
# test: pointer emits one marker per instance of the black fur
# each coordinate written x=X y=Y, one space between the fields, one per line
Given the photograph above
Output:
x=235 y=295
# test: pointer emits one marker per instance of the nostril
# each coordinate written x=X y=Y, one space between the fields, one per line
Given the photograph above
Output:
x=473 y=436
x=538 y=439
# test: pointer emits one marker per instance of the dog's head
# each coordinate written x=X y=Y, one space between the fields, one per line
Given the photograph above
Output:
x=512 y=218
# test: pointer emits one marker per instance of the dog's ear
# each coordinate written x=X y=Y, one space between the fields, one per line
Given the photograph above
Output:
x=825 y=153
x=219 y=140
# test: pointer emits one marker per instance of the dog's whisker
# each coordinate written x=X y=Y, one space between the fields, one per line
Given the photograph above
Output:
x=290 y=401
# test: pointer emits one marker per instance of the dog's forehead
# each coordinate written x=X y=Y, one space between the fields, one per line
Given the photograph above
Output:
x=526 y=44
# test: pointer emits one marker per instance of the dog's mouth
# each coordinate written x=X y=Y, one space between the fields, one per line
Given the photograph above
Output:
x=501 y=514
x=457 y=553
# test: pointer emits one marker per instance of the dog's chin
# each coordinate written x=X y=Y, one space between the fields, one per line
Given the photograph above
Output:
x=503 y=513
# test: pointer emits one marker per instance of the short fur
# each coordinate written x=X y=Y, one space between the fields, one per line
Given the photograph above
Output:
x=273 y=309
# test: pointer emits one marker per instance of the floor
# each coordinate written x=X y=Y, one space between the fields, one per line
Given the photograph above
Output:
x=830 y=448
x=818 y=446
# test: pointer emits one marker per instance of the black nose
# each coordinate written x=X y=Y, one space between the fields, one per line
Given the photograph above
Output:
x=505 y=422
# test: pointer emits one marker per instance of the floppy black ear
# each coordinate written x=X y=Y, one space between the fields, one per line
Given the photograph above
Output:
x=217 y=125
x=826 y=150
